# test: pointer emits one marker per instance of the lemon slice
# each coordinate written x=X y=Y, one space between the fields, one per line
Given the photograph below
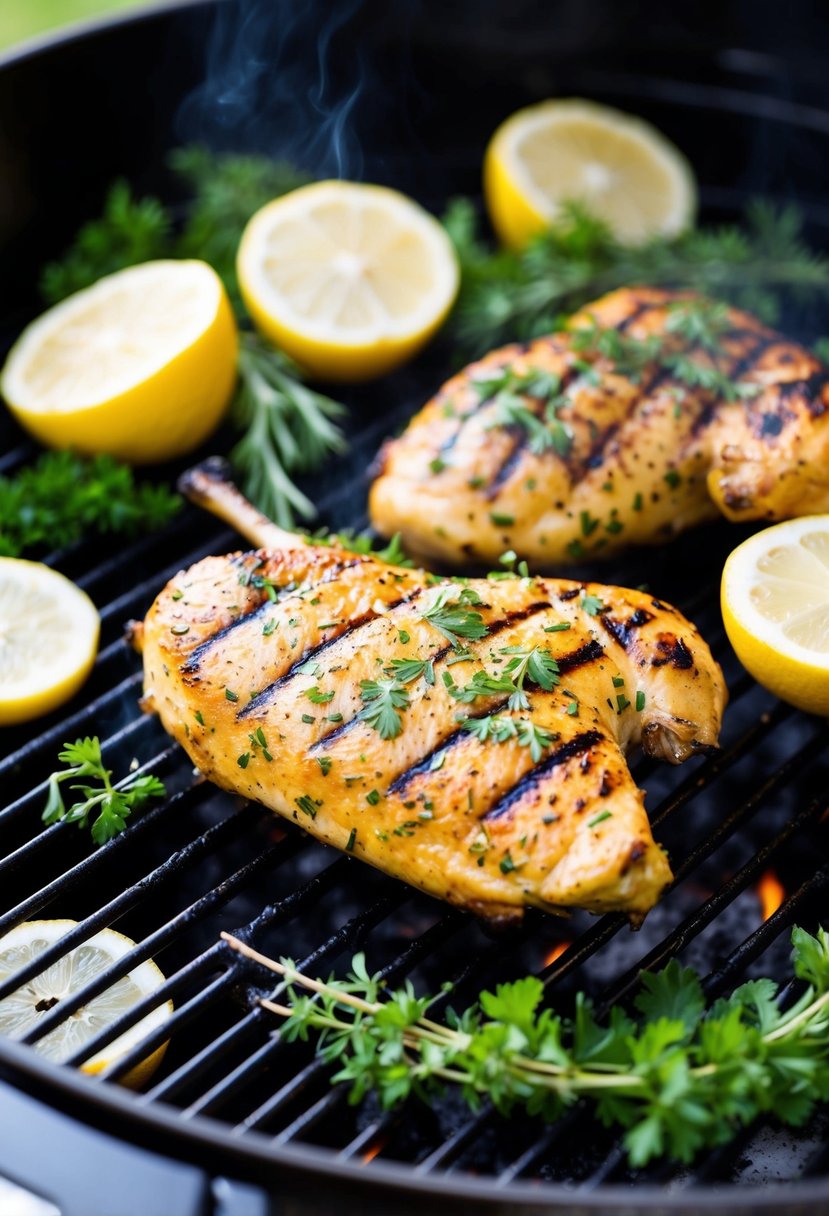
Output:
x=22 y=1010
x=350 y=280
x=775 y=604
x=621 y=168
x=48 y=639
x=140 y=366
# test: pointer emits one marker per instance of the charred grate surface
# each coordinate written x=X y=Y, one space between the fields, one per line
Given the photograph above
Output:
x=203 y=861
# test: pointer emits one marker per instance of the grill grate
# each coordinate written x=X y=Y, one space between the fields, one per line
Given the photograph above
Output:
x=202 y=861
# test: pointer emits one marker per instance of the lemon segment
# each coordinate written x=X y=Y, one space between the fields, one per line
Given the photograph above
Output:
x=349 y=280
x=21 y=1011
x=775 y=605
x=140 y=366
x=49 y=632
x=620 y=167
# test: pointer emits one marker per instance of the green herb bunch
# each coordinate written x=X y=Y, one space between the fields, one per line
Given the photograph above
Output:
x=61 y=497
x=678 y=1076
x=507 y=296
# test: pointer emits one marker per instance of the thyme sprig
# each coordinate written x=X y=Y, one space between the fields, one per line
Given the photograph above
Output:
x=676 y=1075
x=760 y=264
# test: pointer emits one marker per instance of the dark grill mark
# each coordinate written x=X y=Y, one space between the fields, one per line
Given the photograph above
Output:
x=811 y=390
x=770 y=424
x=579 y=745
x=194 y=661
x=570 y=595
x=673 y=650
x=267 y=693
x=624 y=632
x=577 y=658
x=451 y=741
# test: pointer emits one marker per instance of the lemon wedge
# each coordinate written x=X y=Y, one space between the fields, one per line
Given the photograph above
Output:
x=48 y=639
x=775 y=605
x=21 y=1011
x=620 y=167
x=350 y=280
x=140 y=366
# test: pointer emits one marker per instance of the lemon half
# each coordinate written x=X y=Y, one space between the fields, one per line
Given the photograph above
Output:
x=350 y=280
x=775 y=605
x=22 y=1010
x=620 y=167
x=48 y=639
x=140 y=366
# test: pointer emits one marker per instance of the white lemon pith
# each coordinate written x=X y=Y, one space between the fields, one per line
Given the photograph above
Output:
x=140 y=366
x=775 y=602
x=48 y=639
x=350 y=280
x=23 y=1009
x=620 y=167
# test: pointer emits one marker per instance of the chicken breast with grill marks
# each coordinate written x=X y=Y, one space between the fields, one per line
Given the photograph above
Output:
x=644 y=454
x=261 y=665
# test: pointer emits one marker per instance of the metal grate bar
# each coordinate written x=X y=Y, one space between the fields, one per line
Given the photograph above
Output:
x=93 y=862
x=32 y=801
x=608 y=926
x=111 y=912
x=426 y=944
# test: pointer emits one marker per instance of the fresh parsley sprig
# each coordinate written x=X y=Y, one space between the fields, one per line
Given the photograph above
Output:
x=451 y=617
x=61 y=497
x=499 y=729
x=677 y=1077
x=382 y=701
x=525 y=663
x=109 y=806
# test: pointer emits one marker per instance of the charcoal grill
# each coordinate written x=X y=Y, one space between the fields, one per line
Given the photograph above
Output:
x=750 y=106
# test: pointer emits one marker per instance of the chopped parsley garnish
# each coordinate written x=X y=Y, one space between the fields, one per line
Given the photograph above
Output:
x=640 y=701
x=373 y=797
x=325 y=763
x=383 y=699
x=406 y=670
x=591 y=604
x=450 y=615
x=308 y=805
x=559 y=628
x=349 y=848
x=243 y=760
x=269 y=627
x=500 y=520
x=318 y=698
x=500 y=729
x=230 y=695
x=673 y=478
x=600 y=818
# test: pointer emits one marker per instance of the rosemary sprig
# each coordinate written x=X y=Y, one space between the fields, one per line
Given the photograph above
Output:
x=507 y=296
x=679 y=1077
x=288 y=429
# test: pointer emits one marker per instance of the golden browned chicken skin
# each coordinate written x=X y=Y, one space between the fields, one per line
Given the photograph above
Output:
x=255 y=662
x=648 y=455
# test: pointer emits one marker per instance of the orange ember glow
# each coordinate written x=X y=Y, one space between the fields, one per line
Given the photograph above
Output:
x=556 y=952
x=371 y=1153
x=771 y=894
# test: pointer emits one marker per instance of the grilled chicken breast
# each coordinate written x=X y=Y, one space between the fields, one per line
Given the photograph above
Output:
x=646 y=454
x=261 y=665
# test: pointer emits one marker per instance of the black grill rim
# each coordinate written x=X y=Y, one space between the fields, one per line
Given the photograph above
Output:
x=255 y=1158
x=204 y=1142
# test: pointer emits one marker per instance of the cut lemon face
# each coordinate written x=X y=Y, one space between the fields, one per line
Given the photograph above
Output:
x=48 y=639
x=350 y=280
x=22 y=1010
x=140 y=366
x=621 y=168
x=775 y=604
